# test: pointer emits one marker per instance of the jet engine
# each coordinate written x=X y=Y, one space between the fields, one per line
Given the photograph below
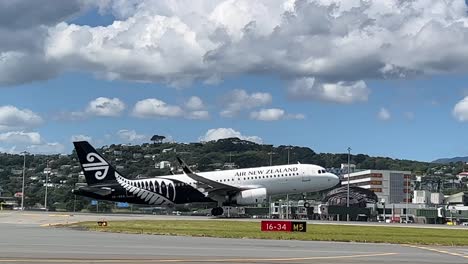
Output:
x=252 y=196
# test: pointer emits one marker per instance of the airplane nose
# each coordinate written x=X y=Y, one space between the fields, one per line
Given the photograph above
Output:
x=333 y=179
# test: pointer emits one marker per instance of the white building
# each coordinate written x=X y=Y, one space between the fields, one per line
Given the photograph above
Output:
x=392 y=186
x=164 y=164
x=345 y=169
x=462 y=175
x=422 y=197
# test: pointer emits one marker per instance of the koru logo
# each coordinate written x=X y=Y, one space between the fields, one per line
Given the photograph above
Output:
x=98 y=164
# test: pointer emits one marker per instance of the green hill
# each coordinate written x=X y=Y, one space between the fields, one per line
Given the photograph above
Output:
x=144 y=161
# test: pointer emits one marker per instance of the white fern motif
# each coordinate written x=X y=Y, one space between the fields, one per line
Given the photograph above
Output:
x=150 y=197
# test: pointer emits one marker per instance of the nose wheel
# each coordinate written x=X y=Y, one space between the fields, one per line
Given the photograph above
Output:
x=217 y=211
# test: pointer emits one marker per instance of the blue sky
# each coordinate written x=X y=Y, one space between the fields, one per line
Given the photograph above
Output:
x=119 y=73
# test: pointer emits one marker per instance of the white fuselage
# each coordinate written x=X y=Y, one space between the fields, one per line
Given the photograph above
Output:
x=283 y=179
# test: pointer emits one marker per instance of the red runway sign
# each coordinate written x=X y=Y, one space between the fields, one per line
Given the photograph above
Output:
x=284 y=226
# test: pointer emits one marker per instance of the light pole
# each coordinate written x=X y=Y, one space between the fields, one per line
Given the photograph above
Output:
x=22 y=186
x=74 y=203
x=271 y=157
x=288 y=148
x=407 y=198
x=384 y=217
x=349 y=179
x=46 y=185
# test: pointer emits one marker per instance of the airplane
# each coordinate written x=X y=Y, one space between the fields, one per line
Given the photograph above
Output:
x=229 y=187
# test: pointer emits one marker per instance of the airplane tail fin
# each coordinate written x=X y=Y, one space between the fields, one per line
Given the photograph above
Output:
x=95 y=168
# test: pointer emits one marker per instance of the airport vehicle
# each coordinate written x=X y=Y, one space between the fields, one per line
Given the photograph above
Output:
x=230 y=187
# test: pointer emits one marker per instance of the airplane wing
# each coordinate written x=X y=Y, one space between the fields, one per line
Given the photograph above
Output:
x=208 y=185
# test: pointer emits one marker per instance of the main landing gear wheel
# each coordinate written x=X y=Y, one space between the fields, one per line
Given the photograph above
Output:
x=217 y=211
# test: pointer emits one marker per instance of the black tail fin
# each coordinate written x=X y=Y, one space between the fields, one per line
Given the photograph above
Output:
x=95 y=168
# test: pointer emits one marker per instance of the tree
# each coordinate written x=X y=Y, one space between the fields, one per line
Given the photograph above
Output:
x=157 y=139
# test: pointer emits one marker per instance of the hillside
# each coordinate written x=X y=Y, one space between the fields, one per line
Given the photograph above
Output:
x=139 y=161
x=451 y=160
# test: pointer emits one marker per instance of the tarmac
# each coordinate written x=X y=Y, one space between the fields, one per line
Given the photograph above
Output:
x=27 y=238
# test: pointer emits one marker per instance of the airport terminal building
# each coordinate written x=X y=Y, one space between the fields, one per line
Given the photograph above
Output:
x=389 y=185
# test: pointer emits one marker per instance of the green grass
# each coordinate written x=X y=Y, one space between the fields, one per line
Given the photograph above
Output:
x=237 y=229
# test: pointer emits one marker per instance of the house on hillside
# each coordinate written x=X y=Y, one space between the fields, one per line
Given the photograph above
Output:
x=163 y=164
x=462 y=175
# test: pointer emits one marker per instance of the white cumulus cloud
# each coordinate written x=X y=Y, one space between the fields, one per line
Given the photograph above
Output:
x=220 y=133
x=460 y=110
x=337 y=43
x=153 y=107
x=81 y=138
x=103 y=106
x=12 y=118
x=341 y=92
x=19 y=137
x=130 y=135
x=194 y=103
x=384 y=114
x=47 y=148
x=238 y=100
x=273 y=114
x=195 y=109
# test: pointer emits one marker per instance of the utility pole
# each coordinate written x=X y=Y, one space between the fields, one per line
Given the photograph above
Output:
x=74 y=203
x=269 y=206
x=288 y=148
x=349 y=174
x=22 y=186
x=46 y=185
x=271 y=157
x=407 y=194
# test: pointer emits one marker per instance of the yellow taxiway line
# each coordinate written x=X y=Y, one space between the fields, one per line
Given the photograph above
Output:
x=439 y=251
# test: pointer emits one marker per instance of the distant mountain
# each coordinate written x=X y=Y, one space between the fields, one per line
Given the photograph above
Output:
x=448 y=160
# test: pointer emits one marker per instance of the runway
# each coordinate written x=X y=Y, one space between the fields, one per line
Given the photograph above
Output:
x=28 y=242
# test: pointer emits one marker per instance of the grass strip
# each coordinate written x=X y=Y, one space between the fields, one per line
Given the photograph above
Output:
x=238 y=229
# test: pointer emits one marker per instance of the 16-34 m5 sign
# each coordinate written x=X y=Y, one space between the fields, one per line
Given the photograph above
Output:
x=284 y=226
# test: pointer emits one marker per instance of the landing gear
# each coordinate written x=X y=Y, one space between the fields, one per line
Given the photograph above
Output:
x=217 y=211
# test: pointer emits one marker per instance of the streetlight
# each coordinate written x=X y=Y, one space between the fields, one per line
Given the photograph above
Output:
x=22 y=186
x=407 y=194
x=46 y=185
x=288 y=148
x=349 y=174
x=271 y=157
